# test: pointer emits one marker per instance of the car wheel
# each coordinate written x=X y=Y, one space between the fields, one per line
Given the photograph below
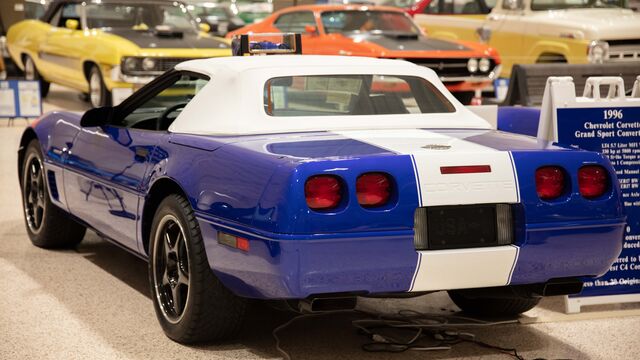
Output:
x=191 y=304
x=486 y=306
x=47 y=225
x=31 y=73
x=99 y=95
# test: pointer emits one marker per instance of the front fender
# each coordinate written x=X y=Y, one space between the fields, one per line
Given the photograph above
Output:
x=55 y=131
x=25 y=37
x=549 y=46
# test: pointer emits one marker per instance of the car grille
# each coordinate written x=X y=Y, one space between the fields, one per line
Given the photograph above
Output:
x=165 y=64
x=162 y=65
x=450 y=68
x=624 y=50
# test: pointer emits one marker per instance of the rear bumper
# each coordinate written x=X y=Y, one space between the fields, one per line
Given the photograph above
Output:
x=386 y=262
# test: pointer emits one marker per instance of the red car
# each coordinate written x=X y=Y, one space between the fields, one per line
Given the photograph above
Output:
x=384 y=32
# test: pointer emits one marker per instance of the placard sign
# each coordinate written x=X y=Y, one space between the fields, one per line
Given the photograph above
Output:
x=614 y=132
x=20 y=98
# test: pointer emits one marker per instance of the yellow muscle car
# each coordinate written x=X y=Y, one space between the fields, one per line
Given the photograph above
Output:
x=108 y=48
x=538 y=31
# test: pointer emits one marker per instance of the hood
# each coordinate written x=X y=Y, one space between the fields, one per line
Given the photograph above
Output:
x=408 y=42
x=595 y=24
x=183 y=40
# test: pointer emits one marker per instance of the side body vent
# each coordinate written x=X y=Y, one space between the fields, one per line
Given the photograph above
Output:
x=53 y=186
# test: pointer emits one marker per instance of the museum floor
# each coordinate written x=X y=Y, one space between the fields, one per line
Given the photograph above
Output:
x=93 y=303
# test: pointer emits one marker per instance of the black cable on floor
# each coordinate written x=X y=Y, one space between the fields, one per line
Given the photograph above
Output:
x=421 y=331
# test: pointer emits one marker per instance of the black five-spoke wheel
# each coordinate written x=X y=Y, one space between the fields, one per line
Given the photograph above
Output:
x=33 y=193
x=48 y=226
x=171 y=264
x=191 y=304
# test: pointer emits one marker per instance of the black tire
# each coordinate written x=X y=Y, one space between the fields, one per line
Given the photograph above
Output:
x=181 y=270
x=31 y=73
x=48 y=226
x=464 y=97
x=99 y=95
x=485 y=306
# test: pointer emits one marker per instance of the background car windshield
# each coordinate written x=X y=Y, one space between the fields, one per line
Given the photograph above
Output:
x=210 y=13
x=139 y=16
x=367 y=21
x=352 y=95
x=574 y=4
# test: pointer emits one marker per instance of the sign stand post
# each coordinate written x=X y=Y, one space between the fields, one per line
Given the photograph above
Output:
x=610 y=125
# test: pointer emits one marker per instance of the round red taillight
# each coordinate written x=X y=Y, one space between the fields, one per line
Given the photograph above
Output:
x=593 y=181
x=550 y=182
x=373 y=189
x=323 y=192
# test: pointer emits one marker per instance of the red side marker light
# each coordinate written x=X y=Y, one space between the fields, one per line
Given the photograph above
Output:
x=233 y=241
x=242 y=244
x=468 y=169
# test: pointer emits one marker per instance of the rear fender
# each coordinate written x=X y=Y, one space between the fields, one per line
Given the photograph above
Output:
x=571 y=207
x=289 y=213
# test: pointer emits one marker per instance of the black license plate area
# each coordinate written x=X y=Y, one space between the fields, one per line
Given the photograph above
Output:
x=455 y=227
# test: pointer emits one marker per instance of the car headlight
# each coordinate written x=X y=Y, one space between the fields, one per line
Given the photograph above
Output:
x=148 y=64
x=130 y=64
x=472 y=65
x=484 y=64
x=598 y=52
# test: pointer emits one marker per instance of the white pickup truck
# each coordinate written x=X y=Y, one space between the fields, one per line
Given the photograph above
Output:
x=538 y=31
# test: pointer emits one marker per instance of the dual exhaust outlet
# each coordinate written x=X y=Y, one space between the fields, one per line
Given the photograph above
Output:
x=338 y=302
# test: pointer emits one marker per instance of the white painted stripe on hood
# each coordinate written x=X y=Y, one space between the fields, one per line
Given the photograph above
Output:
x=498 y=186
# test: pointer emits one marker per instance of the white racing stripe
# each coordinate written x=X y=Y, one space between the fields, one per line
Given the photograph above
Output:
x=498 y=186
x=462 y=268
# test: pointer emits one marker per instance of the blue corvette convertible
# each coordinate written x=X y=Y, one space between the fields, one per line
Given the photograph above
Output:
x=318 y=179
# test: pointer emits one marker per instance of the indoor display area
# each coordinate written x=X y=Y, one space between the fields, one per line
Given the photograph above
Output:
x=320 y=179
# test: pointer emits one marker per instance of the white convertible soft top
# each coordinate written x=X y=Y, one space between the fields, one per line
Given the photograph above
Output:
x=232 y=102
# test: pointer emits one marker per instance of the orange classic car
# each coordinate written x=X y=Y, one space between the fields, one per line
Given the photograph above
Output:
x=384 y=32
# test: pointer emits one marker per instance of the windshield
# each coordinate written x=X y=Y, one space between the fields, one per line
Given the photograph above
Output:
x=208 y=11
x=324 y=95
x=143 y=16
x=356 y=21
x=575 y=4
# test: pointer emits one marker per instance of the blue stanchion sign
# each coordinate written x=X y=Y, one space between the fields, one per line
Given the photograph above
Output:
x=20 y=98
x=615 y=132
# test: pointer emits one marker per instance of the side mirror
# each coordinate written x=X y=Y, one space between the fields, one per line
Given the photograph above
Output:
x=71 y=24
x=204 y=27
x=97 y=117
x=310 y=29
